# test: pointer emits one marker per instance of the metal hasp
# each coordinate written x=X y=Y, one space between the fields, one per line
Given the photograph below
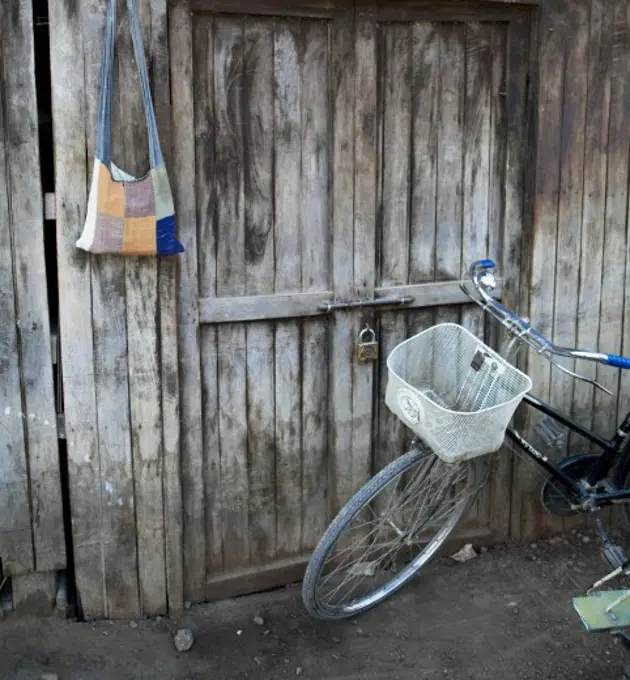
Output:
x=374 y=302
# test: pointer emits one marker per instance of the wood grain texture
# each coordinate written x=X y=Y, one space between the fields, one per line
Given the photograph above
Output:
x=450 y=151
x=16 y=540
x=394 y=229
x=394 y=236
x=594 y=208
x=230 y=226
x=477 y=146
x=141 y=275
x=342 y=340
x=111 y=375
x=260 y=268
x=209 y=464
x=288 y=62
x=508 y=145
x=75 y=313
x=365 y=177
x=526 y=512
x=29 y=269
x=184 y=185
x=478 y=139
x=571 y=200
x=616 y=248
x=315 y=226
x=168 y=272
x=425 y=69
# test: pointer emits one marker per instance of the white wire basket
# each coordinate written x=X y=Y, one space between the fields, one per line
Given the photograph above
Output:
x=456 y=393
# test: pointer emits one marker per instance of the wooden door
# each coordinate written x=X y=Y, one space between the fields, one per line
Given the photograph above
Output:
x=321 y=154
x=452 y=111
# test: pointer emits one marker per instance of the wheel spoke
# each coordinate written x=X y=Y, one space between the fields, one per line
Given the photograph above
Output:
x=380 y=544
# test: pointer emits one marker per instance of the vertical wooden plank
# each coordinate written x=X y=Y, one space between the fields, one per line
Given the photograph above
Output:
x=75 y=313
x=16 y=540
x=110 y=376
x=315 y=276
x=259 y=255
x=594 y=210
x=167 y=335
x=508 y=143
x=142 y=336
x=476 y=151
x=232 y=361
x=395 y=231
x=342 y=99
x=570 y=203
x=27 y=220
x=288 y=54
x=394 y=256
x=365 y=129
x=614 y=263
x=616 y=244
x=192 y=450
x=450 y=164
x=477 y=147
x=203 y=50
x=526 y=514
x=500 y=118
x=425 y=65
x=450 y=150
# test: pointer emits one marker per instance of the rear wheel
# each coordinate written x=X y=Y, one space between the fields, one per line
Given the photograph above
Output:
x=388 y=531
x=622 y=482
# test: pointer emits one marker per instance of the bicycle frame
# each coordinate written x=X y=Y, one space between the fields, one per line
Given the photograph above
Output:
x=611 y=450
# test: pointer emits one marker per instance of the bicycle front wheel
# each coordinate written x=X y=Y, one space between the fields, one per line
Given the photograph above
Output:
x=390 y=529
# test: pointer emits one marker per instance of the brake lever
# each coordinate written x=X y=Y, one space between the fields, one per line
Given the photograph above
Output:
x=592 y=382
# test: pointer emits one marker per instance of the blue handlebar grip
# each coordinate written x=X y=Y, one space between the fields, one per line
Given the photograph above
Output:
x=618 y=362
x=487 y=264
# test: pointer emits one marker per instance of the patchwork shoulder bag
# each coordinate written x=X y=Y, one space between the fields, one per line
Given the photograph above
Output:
x=128 y=215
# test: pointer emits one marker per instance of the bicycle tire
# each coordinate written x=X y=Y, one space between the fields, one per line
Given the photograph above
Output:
x=350 y=510
x=621 y=480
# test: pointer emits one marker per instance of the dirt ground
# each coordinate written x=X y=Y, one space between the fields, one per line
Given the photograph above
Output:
x=505 y=614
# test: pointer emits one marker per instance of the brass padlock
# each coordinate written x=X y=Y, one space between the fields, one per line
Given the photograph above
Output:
x=367 y=347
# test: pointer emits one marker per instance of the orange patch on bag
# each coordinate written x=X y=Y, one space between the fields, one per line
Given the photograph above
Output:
x=111 y=195
x=139 y=236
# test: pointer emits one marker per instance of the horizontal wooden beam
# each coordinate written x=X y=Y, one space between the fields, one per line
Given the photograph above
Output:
x=291 y=570
x=295 y=305
x=255 y=579
x=281 y=8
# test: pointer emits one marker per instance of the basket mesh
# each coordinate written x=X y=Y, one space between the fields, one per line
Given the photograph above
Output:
x=453 y=391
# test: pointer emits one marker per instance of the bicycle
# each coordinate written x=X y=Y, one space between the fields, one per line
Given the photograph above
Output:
x=458 y=396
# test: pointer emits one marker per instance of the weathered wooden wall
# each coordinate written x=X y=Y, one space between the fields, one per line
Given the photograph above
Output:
x=578 y=249
x=32 y=544
x=118 y=334
x=319 y=151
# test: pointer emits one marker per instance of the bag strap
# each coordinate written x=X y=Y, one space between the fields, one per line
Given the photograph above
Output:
x=104 y=132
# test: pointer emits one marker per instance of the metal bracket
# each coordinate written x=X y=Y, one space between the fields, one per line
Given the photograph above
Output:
x=374 y=302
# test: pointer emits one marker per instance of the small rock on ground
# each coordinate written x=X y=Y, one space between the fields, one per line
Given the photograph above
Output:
x=133 y=624
x=259 y=621
x=183 y=640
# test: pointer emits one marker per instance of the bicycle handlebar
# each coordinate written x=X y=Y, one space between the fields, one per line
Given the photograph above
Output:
x=482 y=275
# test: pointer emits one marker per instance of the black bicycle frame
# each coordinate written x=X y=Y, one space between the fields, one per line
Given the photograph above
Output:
x=611 y=449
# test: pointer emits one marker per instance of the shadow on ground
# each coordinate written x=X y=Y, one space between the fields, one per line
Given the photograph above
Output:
x=505 y=614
